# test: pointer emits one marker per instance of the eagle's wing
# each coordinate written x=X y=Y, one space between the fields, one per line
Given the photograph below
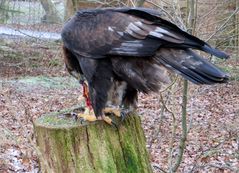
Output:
x=126 y=32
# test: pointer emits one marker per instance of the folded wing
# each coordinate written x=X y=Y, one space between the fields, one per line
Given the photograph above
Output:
x=127 y=32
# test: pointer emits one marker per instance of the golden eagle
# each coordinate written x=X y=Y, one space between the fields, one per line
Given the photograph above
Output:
x=123 y=51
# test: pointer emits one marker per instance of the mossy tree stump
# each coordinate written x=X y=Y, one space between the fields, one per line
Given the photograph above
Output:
x=67 y=145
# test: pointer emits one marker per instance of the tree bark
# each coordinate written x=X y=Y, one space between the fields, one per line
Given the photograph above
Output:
x=67 y=145
x=71 y=6
x=3 y=11
x=51 y=15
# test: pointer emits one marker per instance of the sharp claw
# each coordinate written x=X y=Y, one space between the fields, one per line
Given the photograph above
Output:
x=82 y=120
x=109 y=121
x=123 y=115
x=114 y=124
x=75 y=115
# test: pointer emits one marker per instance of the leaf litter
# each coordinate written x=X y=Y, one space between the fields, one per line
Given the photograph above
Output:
x=213 y=121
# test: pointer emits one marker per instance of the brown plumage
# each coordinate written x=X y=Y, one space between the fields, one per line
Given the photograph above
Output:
x=125 y=50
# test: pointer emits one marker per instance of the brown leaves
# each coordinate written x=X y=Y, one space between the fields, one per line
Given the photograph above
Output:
x=213 y=118
x=212 y=143
x=20 y=105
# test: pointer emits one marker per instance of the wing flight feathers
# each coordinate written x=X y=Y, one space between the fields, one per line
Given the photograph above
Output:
x=134 y=32
x=191 y=66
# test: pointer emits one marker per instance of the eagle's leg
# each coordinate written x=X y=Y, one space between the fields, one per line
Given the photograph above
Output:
x=117 y=111
x=88 y=114
x=127 y=103
x=99 y=90
x=88 y=108
x=86 y=95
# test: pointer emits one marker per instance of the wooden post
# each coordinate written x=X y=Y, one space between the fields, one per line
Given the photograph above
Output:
x=66 y=145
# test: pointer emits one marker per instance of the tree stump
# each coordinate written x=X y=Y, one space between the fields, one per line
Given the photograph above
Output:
x=66 y=145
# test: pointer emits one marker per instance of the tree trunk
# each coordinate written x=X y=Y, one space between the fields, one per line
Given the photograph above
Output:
x=67 y=145
x=51 y=15
x=3 y=11
x=71 y=6
x=237 y=30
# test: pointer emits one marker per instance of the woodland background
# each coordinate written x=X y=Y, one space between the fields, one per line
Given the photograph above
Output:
x=33 y=81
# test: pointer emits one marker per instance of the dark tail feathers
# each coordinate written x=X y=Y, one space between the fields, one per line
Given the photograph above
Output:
x=191 y=66
x=214 y=52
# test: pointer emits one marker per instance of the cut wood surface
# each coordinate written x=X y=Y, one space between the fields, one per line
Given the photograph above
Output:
x=67 y=145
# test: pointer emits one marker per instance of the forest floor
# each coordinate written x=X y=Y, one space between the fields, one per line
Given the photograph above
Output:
x=33 y=81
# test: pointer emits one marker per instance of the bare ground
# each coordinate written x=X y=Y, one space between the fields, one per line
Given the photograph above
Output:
x=213 y=115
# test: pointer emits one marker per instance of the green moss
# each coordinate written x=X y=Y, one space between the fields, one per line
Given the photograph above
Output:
x=8 y=52
x=54 y=62
x=50 y=82
x=62 y=119
x=131 y=159
x=135 y=153
x=116 y=150
x=55 y=121
x=63 y=149
x=102 y=157
x=129 y=146
x=233 y=71
x=94 y=148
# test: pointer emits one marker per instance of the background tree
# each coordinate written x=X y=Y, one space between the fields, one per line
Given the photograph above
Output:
x=33 y=82
x=51 y=16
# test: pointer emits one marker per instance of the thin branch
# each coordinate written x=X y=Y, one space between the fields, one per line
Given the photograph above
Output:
x=224 y=41
x=170 y=85
x=171 y=142
x=232 y=24
x=209 y=12
x=191 y=24
x=171 y=18
x=164 y=107
x=184 y=127
x=220 y=28
x=178 y=14
x=132 y=3
x=140 y=3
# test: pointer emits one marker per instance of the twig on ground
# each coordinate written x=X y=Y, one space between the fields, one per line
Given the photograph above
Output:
x=158 y=167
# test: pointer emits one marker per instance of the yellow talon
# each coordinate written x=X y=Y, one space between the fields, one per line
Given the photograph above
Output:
x=87 y=117
x=107 y=120
x=114 y=111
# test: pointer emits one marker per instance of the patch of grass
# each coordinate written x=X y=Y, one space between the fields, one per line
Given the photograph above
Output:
x=49 y=82
x=54 y=62
x=9 y=53
x=233 y=71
